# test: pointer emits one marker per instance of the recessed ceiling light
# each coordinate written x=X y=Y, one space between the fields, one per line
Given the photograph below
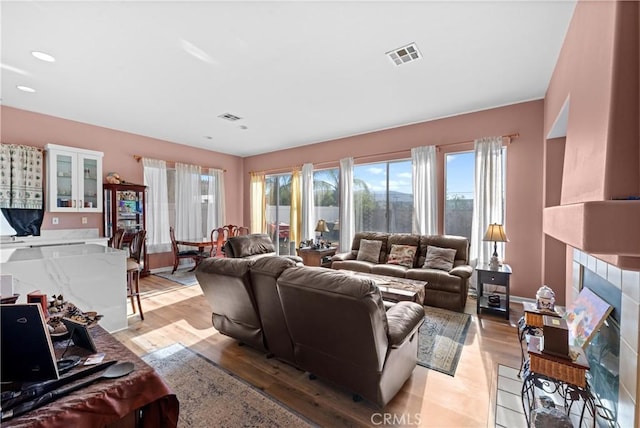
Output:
x=25 y=88
x=404 y=54
x=42 y=56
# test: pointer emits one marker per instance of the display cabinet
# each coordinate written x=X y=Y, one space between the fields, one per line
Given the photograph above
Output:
x=74 y=179
x=124 y=208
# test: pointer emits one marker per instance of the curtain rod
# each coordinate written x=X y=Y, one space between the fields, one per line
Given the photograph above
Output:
x=277 y=170
x=138 y=158
x=510 y=137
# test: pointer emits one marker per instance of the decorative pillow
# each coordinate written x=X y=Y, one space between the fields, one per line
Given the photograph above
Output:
x=369 y=251
x=402 y=255
x=439 y=258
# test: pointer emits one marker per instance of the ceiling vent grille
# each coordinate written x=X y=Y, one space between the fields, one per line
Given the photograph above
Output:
x=230 y=117
x=404 y=54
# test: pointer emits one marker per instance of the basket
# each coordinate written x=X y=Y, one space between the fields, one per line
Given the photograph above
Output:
x=557 y=370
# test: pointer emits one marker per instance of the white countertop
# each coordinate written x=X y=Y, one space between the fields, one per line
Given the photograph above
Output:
x=8 y=255
x=54 y=237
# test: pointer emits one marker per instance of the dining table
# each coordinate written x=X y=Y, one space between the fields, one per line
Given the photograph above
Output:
x=201 y=243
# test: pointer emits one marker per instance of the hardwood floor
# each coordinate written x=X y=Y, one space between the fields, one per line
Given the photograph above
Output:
x=176 y=313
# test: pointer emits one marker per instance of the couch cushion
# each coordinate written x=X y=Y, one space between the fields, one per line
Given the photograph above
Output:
x=403 y=255
x=249 y=245
x=370 y=236
x=439 y=258
x=436 y=280
x=389 y=270
x=459 y=243
x=369 y=251
x=353 y=265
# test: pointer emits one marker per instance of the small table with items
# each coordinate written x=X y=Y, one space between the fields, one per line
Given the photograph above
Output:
x=495 y=302
x=139 y=399
x=566 y=376
x=531 y=323
x=316 y=256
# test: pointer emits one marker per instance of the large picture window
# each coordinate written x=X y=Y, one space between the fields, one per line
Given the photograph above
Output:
x=278 y=211
x=383 y=197
x=327 y=201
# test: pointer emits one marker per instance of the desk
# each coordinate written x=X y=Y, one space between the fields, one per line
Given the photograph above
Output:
x=139 y=399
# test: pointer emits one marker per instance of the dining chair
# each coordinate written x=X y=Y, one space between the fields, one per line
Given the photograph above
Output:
x=242 y=230
x=117 y=239
x=219 y=237
x=195 y=255
x=134 y=267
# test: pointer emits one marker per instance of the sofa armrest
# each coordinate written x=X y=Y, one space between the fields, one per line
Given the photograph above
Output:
x=340 y=257
x=404 y=319
x=463 y=271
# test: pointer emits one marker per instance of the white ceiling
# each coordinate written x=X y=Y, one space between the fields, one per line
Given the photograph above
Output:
x=295 y=72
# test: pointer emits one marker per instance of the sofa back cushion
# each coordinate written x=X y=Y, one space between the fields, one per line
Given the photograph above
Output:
x=458 y=243
x=248 y=245
x=371 y=236
x=403 y=239
x=369 y=251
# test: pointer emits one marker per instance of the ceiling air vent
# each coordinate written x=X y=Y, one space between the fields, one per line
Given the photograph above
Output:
x=230 y=117
x=404 y=54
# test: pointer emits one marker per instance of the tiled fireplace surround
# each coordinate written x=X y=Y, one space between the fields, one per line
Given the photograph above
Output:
x=629 y=283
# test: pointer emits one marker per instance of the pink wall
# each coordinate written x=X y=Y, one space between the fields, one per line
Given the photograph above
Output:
x=524 y=170
x=34 y=129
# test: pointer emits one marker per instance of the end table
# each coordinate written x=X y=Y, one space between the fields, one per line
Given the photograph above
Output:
x=499 y=276
x=316 y=257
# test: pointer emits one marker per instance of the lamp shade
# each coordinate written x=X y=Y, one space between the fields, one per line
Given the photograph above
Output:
x=496 y=233
x=322 y=226
x=336 y=225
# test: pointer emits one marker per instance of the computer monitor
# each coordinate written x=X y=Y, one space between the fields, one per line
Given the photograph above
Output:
x=26 y=351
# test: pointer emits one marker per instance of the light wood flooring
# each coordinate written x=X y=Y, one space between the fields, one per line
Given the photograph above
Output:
x=176 y=313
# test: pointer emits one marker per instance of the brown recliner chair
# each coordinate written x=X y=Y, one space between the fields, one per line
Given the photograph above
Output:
x=341 y=332
x=226 y=284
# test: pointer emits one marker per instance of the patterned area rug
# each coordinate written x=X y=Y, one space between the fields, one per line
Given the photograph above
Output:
x=210 y=396
x=183 y=277
x=442 y=337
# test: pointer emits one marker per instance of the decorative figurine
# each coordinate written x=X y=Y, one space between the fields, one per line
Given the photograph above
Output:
x=545 y=298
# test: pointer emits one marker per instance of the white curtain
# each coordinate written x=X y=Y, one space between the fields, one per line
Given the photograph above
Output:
x=347 y=220
x=157 y=206
x=215 y=200
x=425 y=206
x=488 y=204
x=188 y=202
x=308 y=208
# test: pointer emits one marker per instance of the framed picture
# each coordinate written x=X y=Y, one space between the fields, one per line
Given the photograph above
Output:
x=585 y=316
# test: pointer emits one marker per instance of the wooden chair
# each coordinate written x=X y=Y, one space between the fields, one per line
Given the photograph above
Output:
x=117 y=239
x=242 y=230
x=195 y=255
x=133 y=269
x=218 y=236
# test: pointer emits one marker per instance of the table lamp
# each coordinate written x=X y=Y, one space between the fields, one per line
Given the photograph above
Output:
x=321 y=227
x=495 y=233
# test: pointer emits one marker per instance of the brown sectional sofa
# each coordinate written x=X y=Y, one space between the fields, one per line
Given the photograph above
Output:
x=445 y=289
x=326 y=322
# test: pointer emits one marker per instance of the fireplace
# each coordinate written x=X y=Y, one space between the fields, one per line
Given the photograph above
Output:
x=613 y=351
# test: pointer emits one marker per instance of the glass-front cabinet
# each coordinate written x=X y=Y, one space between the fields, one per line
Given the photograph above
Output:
x=74 y=179
x=124 y=209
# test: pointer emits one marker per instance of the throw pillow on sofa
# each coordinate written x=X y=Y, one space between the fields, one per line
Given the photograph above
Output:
x=369 y=251
x=439 y=258
x=402 y=255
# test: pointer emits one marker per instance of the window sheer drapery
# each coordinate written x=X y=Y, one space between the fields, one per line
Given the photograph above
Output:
x=347 y=221
x=308 y=209
x=425 y=207
x=257 y=203
x=188 y=202
x=488 y=203
x=215 y=200
x=157 y=209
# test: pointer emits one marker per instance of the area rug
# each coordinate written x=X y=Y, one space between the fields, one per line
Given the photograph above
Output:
x=183 y=277
x=211 y=396
x=441 y=339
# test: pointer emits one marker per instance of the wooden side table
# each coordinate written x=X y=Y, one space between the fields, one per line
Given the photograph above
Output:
x=498 y=276
x=316 y=257
x=531 y=324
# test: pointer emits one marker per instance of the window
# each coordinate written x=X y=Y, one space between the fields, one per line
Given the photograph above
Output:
x=327 y=201
x=278 y=211
x=459 y=181
x=383 y=197
x=205 y=196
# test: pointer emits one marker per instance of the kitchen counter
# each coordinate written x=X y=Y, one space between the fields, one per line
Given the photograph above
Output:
x=91 y=276
x=54 y=237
